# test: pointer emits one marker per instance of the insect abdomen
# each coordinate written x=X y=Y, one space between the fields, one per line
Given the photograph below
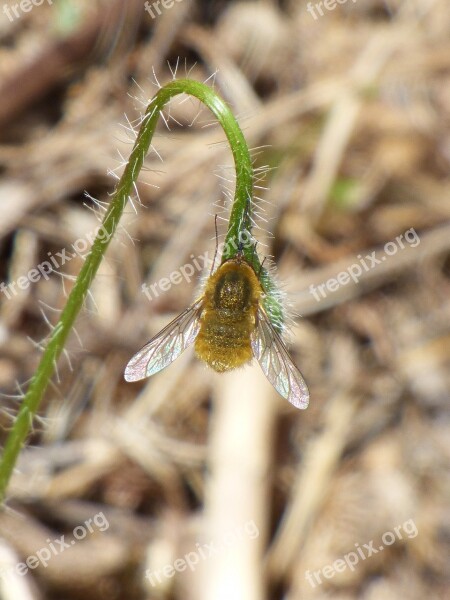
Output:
x=224 y=342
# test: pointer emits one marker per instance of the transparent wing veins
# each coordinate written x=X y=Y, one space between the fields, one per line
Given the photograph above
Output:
x=276 y=363
x=167 y=345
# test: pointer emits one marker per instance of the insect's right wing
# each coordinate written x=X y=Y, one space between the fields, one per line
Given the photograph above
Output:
x=167 y=345
x=276 y=363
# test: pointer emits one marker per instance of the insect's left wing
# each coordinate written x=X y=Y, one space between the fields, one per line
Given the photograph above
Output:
x=276 y=363
x=167 y=345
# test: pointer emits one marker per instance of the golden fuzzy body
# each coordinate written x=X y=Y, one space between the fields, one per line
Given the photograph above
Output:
x=231 y=300
x=229 y=326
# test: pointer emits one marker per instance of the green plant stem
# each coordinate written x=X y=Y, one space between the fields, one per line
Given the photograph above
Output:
x=239 y=221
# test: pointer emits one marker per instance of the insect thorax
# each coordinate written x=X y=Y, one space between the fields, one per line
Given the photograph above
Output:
x=233 y=292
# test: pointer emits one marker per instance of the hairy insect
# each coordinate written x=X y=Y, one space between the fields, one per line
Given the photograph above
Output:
x=229 y=326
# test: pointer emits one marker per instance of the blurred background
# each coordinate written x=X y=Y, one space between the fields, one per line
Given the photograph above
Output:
x=191 y=484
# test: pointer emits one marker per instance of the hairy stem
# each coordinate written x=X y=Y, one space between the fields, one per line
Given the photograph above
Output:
x=240 y=221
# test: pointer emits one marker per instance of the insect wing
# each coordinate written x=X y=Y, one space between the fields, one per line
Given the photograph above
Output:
x=276 y=363
x=167 y=345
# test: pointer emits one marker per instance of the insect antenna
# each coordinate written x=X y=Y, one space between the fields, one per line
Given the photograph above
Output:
x=217 y=245
x=262 y=264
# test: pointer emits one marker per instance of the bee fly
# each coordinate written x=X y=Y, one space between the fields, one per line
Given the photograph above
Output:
x=228 y=327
